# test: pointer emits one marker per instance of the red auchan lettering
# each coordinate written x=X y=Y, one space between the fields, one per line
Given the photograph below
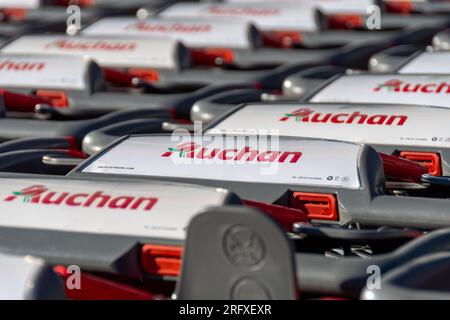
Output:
x=9 y=65
x=168 y=28
x=356 y=117
x=91 y=45
x=245 y=11
x=196 y=151
x=39 y=194
x=406 y=87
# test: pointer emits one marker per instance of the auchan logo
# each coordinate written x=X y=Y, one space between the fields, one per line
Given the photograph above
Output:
x=9 y=65
x=310 y=116
x=168 y=28
x=196 y=151
x=244 y=11
x=39 y=194
x=406 y=87
x=66 y=44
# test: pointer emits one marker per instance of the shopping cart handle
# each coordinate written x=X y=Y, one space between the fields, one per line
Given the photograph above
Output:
x=37 y=143
x=172 y=126
x=212 y=266
x=96 y=140
x=421 y=279
x=59 y=160
x=30 y=161
x=413 y=212
x=380 y=240
x=441 y=40
x=14 y=128
x=299 y=84
x=391 y=59
x=211 y=108
x=434 y=180
x=348 y=276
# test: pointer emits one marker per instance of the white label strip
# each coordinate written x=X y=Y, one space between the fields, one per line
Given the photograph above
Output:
x=115 y=208
x=20 y=4
x=381 y=124
x=193 y=32
x=326 y=6
x=266 y=16
x=428 y=63
x=107 y=51
x=431 y=90
x=43 y=72
x=286 y=161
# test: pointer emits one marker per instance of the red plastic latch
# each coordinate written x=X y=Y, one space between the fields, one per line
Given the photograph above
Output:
x=117 y=78
x=212 y=56
x=149 y=75
x=344 y=21
x=282 y=39
x=56 y=98
x=161 y=260
x=430 y=160
x=319 y=206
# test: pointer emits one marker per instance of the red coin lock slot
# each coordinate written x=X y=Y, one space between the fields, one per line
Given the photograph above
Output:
x=149 y=75
x=82 y=3
x=14 y=14
x=399 y=6
x=345 y=22
x=316 y=206
x=56 y=98
x=430 y=160
x=282 y=39
x=161 y=260
x=212 y=56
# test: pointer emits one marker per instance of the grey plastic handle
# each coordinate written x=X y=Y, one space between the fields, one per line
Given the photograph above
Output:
x=247 y=59
x=396 y=21
x=425 y=278
x=431 y=7
x=390 y=60
x=211 y=108
x=25 y=128
x=30 y=161
x=96 y=140
x=413 y=212
x=100 y=103
x=337 y=38
x=441 y=41
x=300 y=84
x=224 y=245
x=168 y=126
x=354 y=55
x=408 y=35
x=35 y=143
x=355 y=236
x=58 y=160
x=227 y=256
x=348 y=276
